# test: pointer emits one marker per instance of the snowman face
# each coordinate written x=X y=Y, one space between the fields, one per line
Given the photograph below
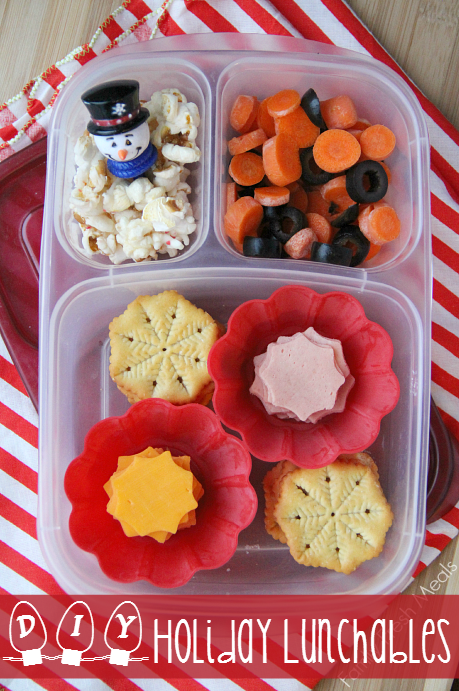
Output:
x=125 y=146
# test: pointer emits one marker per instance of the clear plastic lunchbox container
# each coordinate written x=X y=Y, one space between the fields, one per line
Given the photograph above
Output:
x=80 y=295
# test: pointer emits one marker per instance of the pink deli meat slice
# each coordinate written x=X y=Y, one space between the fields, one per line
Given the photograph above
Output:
x=292 y=388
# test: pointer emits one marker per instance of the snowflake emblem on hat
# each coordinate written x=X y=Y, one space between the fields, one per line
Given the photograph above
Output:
x=118 y=109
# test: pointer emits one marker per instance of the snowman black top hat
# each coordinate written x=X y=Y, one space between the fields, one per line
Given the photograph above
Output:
x=114 y=107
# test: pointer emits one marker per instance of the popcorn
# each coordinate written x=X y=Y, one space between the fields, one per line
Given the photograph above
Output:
x=103 y=223
x=116 y=197
x=181 y=154
x=168 y=213
x=168 y=177
x=150 y=216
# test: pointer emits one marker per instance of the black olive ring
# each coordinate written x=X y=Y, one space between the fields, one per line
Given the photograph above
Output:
x=358 y=177
x=310 y=177
x=351 y=235
x=268 y=248
x=331 y=254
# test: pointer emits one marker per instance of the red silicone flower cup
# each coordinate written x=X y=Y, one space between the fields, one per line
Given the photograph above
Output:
x=220 y=462
x=367 y=349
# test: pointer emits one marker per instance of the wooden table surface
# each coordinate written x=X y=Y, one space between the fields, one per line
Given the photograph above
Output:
x=422 y=35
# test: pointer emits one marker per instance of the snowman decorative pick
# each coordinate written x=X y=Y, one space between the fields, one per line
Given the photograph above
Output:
x=120 y=128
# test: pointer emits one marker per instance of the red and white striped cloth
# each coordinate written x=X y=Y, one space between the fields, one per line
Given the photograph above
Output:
x=24 y=119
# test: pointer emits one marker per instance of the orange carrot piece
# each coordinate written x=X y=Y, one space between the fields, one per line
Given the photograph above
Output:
x=298 y=125
x=243 y=113
x=334 y=188
x=243 y=218
x=281 y=160
x=377 y=142
x=272 y=196
x=246 y=142
x=283 y=103
x=265 y=120
x=320 y=226
x=336 y=151
x=339 y=112
x=231 y=194
x=299 y=199
x=317 y=204
x=247 y=169
x=335 y=193
x=387 y=169
x=299 y=246
x=372 y=252
x=355 y=133
x=361 y=124
x=379 y=223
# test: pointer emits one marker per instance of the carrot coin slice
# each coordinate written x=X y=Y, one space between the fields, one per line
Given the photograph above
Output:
x=283 y=103
x=336 y=150
x=231 y=194
x=299 y=199
x=246 y=142
x=272 y=196
x=243 y=113
x=372 y=252
x=281 y=160
x=317 y=204
x=339 y=112
x=320 y=226
x=379 y=223
x=377 y=142
x=247 y=169
x=243 y=218
x=298 y=125
x=265 y=120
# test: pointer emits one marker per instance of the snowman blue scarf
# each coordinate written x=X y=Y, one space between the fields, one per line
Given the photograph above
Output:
x=135 y=167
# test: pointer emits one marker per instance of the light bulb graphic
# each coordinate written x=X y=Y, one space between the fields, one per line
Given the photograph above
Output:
x=120 y=656
x=33 y=655
x=69 y=655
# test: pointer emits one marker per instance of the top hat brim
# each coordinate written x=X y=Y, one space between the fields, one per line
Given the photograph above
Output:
x=100 y=131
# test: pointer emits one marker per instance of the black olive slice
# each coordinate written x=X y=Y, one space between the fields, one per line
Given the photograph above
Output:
x=331 y=254
x=360 y=245
x=311 y=106
x=274 y=227
x=270 y=212
x=266 y=231
x=246 y=192
x=349 y=215
x=261 y=247
x=275 y=224
x=311 y=173
x=366 y=182
x=295 y=215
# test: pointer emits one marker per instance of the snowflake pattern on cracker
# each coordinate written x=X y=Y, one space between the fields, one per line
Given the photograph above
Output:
x=335 y=517
x=159 y=348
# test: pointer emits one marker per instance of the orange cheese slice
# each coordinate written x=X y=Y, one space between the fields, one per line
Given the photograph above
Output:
x=139 y=479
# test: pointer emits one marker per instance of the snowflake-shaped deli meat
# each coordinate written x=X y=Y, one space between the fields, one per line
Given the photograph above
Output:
x=336 y=517
x=159 y=349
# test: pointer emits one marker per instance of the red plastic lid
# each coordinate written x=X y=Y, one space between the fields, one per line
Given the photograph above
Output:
x=22 y=194
x=443 y=477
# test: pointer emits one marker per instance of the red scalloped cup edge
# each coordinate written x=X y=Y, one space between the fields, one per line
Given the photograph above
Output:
x=368 y=351
x=220 y=462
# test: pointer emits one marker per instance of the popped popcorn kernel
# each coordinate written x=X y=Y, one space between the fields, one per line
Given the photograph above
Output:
x=150 y=216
